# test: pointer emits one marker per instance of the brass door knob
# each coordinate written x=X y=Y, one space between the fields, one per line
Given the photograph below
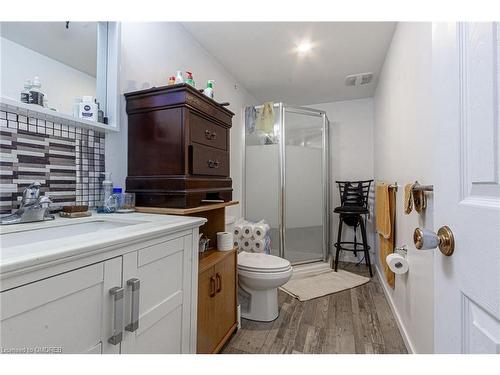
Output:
x=425 y=239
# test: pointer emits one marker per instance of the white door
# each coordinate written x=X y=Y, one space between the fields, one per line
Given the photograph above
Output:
x=466 y=92
x=161 y=277
x=67 y=313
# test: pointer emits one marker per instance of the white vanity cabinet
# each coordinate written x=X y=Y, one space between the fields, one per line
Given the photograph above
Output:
x=142 y=301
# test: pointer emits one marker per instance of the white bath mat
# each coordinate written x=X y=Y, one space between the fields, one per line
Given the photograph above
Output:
x=306 y=286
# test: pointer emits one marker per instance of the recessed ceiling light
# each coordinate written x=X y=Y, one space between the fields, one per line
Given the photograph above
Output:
x=304 y=47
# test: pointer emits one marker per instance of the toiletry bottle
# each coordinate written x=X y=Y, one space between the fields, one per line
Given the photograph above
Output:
x=88 y=109
x=76 y=107
x=179 y=78
x=209 y=91
x=25 y=94
x=100 y=112
x=36 y=93
x=118 y=194
x=107 y=187
x=171 y=80
x=189 y=79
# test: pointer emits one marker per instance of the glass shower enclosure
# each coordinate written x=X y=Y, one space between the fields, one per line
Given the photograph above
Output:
x=287 y=178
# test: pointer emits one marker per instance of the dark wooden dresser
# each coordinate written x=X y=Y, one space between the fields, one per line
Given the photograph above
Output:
x=178 y=147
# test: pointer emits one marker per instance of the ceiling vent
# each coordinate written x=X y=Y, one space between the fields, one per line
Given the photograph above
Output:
x=351 y=80
x=359 y=79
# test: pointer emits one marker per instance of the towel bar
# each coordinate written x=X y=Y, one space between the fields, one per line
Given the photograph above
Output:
x=418 y=187
x=394 y=186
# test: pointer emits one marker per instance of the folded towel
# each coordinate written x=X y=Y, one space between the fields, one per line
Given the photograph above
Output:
x=265 y=119
x=419 y=200
x=250 y=119
x=385 y=200
x=408 y=198
x=414 y=199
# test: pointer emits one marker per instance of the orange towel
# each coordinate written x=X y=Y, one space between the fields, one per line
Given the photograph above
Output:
x=385 y=200
x=382 y=210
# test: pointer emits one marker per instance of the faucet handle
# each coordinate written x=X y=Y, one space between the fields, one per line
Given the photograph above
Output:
x=45 y=201
x=31 y=193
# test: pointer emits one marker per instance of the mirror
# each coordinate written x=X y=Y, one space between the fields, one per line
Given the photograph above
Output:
x=60 y=63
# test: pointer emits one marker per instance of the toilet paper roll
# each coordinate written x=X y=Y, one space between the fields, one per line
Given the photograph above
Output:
x=224 y=241
x=238 y=230
x=246 y=244
x=258 y=245
x=237 y=242
x=247 y=231
x=260 y=230
x=397 y=263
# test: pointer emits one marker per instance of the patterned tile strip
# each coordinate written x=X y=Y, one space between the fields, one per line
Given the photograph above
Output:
x=68 y=161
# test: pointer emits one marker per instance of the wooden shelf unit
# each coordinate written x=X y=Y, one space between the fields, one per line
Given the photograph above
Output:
x=215 y=213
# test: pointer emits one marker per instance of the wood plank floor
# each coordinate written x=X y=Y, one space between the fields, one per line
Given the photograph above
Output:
x=358 y=320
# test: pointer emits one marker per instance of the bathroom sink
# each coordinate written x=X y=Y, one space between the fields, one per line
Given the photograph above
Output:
x=27 y=237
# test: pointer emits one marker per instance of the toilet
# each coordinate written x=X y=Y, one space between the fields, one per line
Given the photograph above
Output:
x=259 y=276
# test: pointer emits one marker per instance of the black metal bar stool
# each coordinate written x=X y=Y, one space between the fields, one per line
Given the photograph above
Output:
x=352 y=212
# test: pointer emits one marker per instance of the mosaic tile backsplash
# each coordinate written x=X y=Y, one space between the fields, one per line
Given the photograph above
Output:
x=68 y=161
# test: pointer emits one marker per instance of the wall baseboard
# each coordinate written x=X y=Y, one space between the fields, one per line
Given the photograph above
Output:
x=401 y=326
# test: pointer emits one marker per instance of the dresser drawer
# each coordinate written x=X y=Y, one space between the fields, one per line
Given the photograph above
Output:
x=206 y=132
x=209 y=161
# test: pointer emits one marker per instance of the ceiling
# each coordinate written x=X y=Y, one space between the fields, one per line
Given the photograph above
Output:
x=75 y=46
x=262 y=57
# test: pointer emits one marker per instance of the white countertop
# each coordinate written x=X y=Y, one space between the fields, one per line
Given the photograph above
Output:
x=41 y=251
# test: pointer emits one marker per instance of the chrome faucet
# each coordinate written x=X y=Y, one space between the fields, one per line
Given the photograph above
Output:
x=33 y=207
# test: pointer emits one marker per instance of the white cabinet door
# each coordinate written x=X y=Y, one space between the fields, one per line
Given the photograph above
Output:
x=67 y=313
x=164 y=273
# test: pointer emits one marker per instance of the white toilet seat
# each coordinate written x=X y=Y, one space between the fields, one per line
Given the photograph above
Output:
x=265 y=275
x=262 y=263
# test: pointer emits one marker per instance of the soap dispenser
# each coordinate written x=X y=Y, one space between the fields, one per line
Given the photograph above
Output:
x=107 y=185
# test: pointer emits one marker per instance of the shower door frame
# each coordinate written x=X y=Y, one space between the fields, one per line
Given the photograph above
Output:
x=283 y=108
x=281 y=121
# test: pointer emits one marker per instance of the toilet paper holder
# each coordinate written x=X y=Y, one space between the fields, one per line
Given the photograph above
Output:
x=397 y=261
x=402 y=250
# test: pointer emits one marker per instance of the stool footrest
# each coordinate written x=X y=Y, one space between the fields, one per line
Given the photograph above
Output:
x=359 y=246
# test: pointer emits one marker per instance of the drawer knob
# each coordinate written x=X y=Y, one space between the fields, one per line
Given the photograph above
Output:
x=210 y=135
x=213 y=163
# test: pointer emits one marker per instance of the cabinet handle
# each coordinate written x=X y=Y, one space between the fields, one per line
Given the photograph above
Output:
x=135 y=284
x=219 y=282
x=214 y=135
x=212 y=286
x=117 y=294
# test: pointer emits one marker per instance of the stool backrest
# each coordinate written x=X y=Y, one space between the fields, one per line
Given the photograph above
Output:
x=354 y=193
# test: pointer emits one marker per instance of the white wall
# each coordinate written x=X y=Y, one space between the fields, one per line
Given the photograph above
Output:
x=351 y=155
x=150 y=53
x=403 y=153
x=61 y=83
